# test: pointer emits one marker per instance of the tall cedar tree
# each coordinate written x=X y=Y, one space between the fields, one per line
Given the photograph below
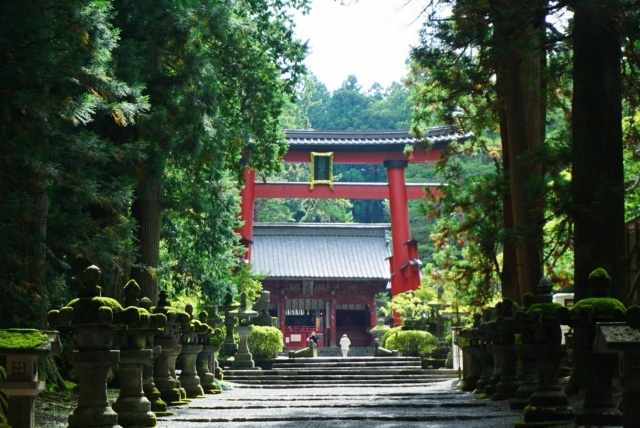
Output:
x=55 y=78
x=489 y=56
x=598 y=182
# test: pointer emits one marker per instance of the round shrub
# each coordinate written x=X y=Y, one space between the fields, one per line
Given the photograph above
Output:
x=391 y=332
x=265 y=342
x=413 y=343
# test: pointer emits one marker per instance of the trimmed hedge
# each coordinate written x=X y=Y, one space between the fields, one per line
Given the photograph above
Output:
x=412 y=343
x=391 y=332
x=265 y=342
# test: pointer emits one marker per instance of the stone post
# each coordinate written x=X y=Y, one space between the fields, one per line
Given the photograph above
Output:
x=486 y=328
x=22 y=347
x=599 y=407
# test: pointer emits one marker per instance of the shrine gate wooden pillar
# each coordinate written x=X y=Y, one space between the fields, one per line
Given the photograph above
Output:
x=399 y=212
x=248 y=195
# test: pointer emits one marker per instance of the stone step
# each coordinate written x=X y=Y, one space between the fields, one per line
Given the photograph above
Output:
x=318 y=360
x=335 y=376
x=356 y=384
x=379 y=371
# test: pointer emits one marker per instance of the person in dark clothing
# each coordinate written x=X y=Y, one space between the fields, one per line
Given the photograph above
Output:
x=314 y=338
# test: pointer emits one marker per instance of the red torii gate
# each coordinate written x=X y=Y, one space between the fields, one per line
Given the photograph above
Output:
x=359 y=147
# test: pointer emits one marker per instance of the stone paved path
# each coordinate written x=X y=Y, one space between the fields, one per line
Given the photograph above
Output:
x=435 y=405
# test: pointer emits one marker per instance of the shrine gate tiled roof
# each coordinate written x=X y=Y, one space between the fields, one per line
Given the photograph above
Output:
x=440 y=137
x=321 y=251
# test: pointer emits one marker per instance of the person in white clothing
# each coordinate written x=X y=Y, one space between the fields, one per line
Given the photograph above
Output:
x=344 y=345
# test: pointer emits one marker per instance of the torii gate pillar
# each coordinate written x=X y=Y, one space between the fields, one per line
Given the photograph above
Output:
x=399 y=212
x=248 y=195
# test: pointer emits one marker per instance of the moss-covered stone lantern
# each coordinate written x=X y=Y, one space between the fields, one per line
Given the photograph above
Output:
x=229 y=346
x=133 y=408
x=243 y=358
x=203 y=362
x=541 y=337
x=158 y=406
x=164 y=375
x=502 y=341
x=23 y=347
x=488 y=329
x=597 y=370
x=215 y=320
x=522 y=347
x=191 y=347
x=93 y=319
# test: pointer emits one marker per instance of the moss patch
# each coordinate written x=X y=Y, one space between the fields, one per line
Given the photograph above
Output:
x=22 y=338
x=86 y=309
x=604 y=308
x=544 y=310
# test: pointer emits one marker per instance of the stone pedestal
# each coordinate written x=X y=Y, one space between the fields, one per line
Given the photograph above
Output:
x=93 y=406
x=243 y=358
x=472 y=368
x=229 y=346
x=163 y=371
x=215 y=367
x=189 y=378
x=529 y=381
x=509 y=381
x=173 y=357
x=548 y=402
x=599 y=408
x=203 y=366
x=133 y=408
x=486 y=361
x=158 y=406
x=490 y=389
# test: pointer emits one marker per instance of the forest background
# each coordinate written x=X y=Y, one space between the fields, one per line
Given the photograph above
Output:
x=123 y=125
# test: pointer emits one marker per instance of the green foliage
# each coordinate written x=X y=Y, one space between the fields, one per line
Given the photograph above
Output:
x=412 y=343
x=411 y=305
x=22 y=338
x=391 y=332
x=265 y=342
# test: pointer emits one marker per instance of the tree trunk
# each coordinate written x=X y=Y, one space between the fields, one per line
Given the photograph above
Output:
x=597 y=185
x=518 y=80
x=509 y=274
x=147 y=210
x=41 y=214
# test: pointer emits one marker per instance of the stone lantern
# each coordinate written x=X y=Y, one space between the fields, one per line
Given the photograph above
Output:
x=469 y=341
x=169 y=340
x=502 y=333
x=243 y=358
x=487 y=328
x=190 y=349
x=22 y=347
x=523 y=347
x=133 y=408
x=599 y=407
x=229 y=346
x=93 y=319
x=203 y=362
x=480 y=340
x=158 y=406
x=214 y=320
x=623 y=339
x=541 y=337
